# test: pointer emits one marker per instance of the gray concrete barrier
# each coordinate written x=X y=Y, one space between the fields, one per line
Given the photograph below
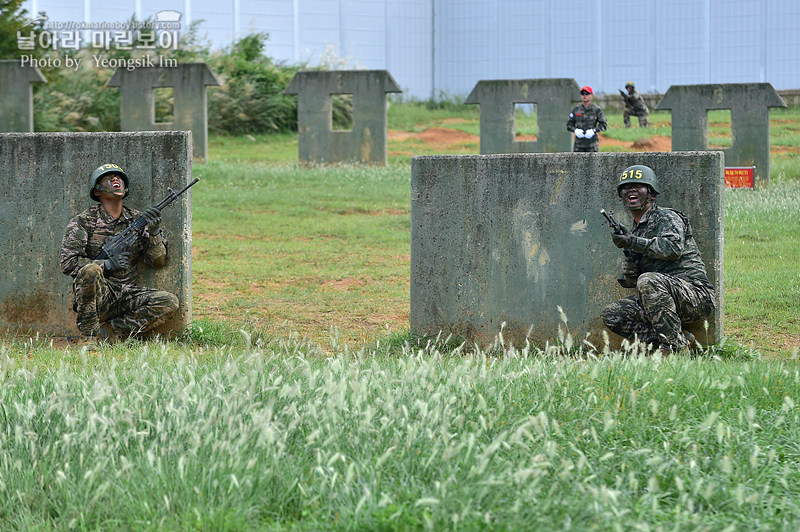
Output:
x=749 y=104
x=553 y=99
x=511 y=238
x=44 y=179
x=189 y=82
x=366 y=142
x=16 y=95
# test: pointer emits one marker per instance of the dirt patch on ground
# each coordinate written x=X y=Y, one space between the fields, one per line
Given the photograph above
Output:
x=435 y=137
x=654 y=143
x=442 y=138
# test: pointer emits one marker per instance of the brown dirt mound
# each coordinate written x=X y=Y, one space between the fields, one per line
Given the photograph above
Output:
x=654 y=143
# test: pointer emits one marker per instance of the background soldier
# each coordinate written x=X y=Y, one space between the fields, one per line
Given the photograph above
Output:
x=586 y=120
x=105 y=289
x=634 y=105
x=662 y=261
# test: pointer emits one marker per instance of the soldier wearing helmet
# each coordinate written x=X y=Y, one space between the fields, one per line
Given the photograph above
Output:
x=662 y=261
x=634 y=106
x=106 y=290
x=586 y=120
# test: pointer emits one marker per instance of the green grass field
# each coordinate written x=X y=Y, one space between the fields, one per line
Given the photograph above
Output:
x=297 y=400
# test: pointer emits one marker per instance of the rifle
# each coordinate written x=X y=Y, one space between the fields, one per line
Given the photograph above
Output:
x=117 y=244
x=617 y=228
x=626 y=97
x=615 y=225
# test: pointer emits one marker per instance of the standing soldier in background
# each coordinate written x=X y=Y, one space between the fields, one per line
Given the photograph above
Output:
x=634 y=105
x=586 y=120
x=105 y=289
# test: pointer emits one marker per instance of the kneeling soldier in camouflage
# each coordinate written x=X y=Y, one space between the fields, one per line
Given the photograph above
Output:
x=105 y=289
x=662 y=261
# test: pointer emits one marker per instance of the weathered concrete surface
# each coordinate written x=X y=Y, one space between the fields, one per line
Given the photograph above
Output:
x=749 y=104
x=366 y=142
x=16 y=95
x=189 y=82
x=510 y=238
x=44 y=180
x=553 y=98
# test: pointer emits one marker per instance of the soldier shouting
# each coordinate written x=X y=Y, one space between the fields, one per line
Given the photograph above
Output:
x=662 y=261
x=105 y=289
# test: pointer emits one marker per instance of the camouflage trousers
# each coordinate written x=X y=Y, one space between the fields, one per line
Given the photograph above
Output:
x=128 y=310
x=655 y=314
x=644 y=117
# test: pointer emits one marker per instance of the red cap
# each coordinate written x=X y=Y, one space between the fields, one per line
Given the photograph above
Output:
x=588 y=89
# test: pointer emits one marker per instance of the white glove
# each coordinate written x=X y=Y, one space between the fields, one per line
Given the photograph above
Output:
x=589 y=133
x=579 y=133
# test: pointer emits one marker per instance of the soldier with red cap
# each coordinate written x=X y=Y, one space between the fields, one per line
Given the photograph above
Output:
x=586 y=120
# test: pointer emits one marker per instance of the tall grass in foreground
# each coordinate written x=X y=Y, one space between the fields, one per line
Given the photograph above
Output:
x=280 y=437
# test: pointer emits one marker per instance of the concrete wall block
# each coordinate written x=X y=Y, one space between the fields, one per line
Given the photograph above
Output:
x=367 y=141
x=749 y=105
x=554 y=98
x=16 y=95
x=511 y=238
x=44 y=181
x=189 y=82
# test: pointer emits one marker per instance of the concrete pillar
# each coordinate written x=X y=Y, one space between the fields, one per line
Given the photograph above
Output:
x=366 y=142
x=749 y=105
x=554 y=98
x=189 y=82
x=44 y=182
x=16 y=95
x=510 y=238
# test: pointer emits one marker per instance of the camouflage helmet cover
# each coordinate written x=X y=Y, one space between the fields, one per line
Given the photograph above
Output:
x=100 y=171
x=639 y=175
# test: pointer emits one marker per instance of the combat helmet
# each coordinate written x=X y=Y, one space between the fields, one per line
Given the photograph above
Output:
x=638 y=174
x=630 y=84
x=102 y=170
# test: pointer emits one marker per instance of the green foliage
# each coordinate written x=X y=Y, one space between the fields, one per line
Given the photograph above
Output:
x=76 y=99
x=249 y=101
x=14 y=18
x=251 y=98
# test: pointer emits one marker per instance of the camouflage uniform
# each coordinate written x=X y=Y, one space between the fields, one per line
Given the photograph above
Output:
x=587 y=118
x=672 y=283
x=635 y=106
x=112 y=296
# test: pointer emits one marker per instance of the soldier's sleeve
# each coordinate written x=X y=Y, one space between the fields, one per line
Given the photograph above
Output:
x=73 y=248
x=602 y=123
x=669 y=238
x=571 y=122
x=155 y=253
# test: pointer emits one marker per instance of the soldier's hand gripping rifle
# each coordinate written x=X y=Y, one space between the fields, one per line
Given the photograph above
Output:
x=630 y=266
x=618 y=229
x=626 y=97
x=120 y=243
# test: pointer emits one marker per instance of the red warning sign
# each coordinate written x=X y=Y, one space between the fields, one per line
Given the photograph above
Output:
x=740 y=176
